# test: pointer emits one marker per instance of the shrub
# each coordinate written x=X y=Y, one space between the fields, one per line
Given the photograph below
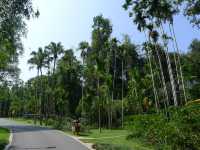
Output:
x=180 y=132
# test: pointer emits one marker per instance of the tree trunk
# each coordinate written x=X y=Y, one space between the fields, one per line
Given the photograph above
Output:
x=113 y=88
x=152 y=77
x=122 y=94
x=41 y=98
x=82 y=90
x=99 y=107
x=153 y=81
x=163 y=81
x=179 y=62
x=170 y=70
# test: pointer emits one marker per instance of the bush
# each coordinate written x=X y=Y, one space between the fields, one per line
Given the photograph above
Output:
x=180 y=132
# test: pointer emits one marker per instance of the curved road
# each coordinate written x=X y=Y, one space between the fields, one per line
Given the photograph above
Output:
x=27 y=137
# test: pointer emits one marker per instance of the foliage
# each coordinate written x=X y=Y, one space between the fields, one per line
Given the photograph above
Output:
x=180 y=132
x=192 y=11
x=4 y=135
x=12 y=27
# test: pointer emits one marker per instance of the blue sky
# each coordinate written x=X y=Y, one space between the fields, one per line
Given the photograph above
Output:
x=70 y=21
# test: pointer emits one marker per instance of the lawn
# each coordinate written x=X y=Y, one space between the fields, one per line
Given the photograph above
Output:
x=113 y=137
x=24 y=121
x=4 y=137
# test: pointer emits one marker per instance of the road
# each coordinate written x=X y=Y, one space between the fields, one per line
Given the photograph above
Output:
x=27 y=137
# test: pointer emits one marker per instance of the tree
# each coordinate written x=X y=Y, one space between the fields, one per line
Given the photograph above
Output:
x=191 y=69
x=84 y=47
x=38 y=60
x=12 y=27
x=68 y=76
x=101 y=33
x=55 y=50
x=192 y=11
x=150 y=15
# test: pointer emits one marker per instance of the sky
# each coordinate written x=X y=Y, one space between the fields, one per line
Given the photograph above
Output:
x=70 y=22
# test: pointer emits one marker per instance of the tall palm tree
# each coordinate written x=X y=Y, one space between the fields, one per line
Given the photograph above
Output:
x=114 y=48
x=37 y=60
x=55 y=50
x=83 y=46
x=124 y=55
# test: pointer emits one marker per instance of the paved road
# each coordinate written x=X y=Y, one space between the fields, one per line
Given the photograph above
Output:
x=38 y=138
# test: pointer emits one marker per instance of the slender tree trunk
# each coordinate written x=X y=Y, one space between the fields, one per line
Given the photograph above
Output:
x=108 y=100
x=170 y=71
x=172 y=79
x=179 y=62
x=109 y=111
x=41 y=98
x=122 y=113
x=152 y=78
x=113 y=87
x=153 y=81
x=99 y=106
x=82 y=94
x=82 y=100
x=176 y=65
x=163 y=81
x=36 y=98
x=53 y=86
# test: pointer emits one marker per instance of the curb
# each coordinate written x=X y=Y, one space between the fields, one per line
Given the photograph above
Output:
x=10 y=141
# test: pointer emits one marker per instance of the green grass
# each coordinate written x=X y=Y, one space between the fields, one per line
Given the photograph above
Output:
x=4 y=136
x=26 y=121
x=113 y=137
x=23 y=121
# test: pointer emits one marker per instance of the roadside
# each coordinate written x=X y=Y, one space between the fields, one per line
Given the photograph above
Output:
x=112 y=139
x=106 y=140
x=4 y=137
x=30 y=122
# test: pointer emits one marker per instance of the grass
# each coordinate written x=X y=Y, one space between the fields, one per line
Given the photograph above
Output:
x=23 y=121
x=4 y=136
x=26 y=121
x=113 y=137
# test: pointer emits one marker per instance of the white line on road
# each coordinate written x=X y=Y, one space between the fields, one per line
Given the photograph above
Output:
x=10 y=140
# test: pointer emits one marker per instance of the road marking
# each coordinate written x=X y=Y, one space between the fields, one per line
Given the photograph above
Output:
x=10 y=140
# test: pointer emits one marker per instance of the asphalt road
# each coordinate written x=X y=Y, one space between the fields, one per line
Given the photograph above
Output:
x=37 y=138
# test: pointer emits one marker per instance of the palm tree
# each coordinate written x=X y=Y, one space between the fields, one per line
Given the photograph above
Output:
x=124 y=54
x=38 y=60
x=114 y=48
x=83 y=46
x=55 y=50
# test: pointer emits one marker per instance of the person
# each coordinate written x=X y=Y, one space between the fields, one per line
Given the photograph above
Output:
x=78 y=127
